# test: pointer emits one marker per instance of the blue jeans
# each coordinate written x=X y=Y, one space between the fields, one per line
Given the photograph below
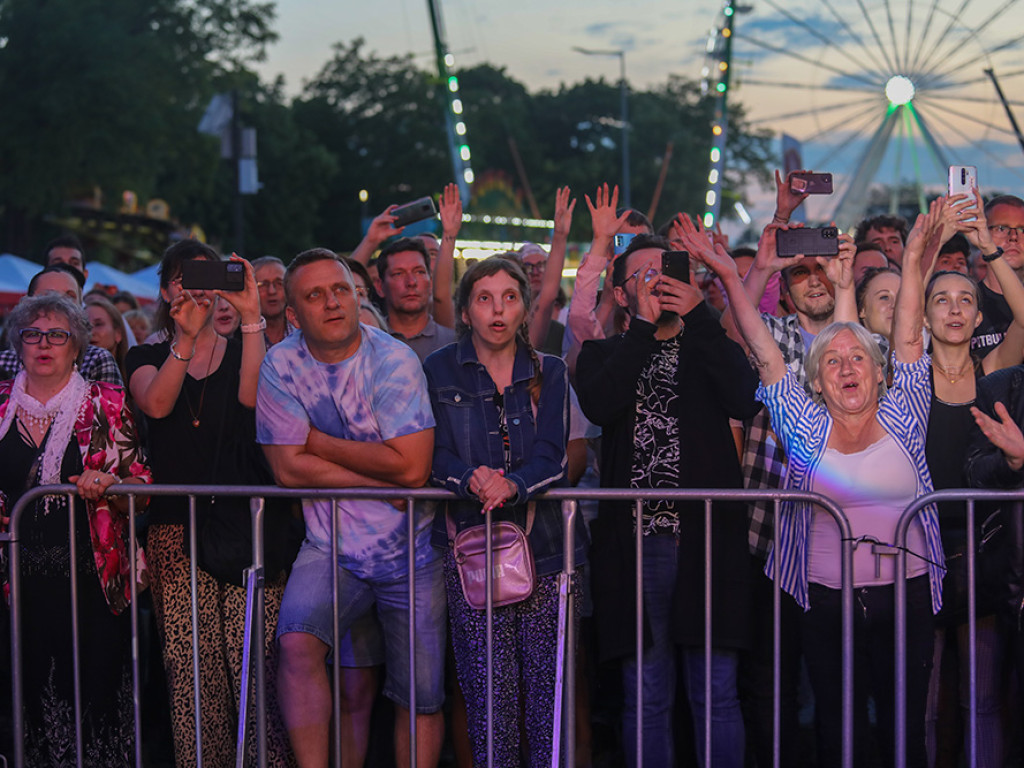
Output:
x=659 y=677
x=307 y=606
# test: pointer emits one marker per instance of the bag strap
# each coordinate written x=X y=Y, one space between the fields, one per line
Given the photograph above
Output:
x=531 y=513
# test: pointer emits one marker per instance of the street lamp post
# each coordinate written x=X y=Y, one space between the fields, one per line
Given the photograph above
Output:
x=624 y=107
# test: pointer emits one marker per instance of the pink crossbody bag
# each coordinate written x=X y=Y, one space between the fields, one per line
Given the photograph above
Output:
x=514 y=572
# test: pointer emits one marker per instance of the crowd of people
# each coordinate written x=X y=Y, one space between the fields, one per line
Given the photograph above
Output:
x=871 y=377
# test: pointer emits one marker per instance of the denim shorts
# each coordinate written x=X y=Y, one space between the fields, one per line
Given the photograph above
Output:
x=307 y=607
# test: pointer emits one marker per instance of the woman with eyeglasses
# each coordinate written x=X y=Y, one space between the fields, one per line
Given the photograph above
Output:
x=55 y=427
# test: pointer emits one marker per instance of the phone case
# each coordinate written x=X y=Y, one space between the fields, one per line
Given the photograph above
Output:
x=817 y=241
x=417 y=210
x=962 y=179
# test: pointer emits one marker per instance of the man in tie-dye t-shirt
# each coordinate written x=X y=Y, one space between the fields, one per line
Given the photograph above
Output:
x=344 y=405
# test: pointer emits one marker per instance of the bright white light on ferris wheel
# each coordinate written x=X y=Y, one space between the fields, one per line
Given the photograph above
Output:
x=900 y=90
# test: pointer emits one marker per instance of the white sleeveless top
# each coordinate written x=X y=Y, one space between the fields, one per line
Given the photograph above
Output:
x=872 y=487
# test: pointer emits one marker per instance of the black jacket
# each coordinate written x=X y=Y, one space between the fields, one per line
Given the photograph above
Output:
x=987 y=468
x=715 y=383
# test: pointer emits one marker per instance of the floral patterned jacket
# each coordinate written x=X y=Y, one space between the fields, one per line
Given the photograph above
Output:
x=105 y=431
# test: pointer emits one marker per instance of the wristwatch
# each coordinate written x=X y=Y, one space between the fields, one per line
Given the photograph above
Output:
x=987 y=257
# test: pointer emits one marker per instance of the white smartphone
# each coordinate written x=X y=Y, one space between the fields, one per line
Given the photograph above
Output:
x=962 y=179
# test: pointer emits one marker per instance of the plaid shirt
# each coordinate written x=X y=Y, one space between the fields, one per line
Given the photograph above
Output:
x=97 y=365
x=764 y=461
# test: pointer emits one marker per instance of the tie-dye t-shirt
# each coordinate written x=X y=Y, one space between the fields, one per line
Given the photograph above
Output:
x=377 y=394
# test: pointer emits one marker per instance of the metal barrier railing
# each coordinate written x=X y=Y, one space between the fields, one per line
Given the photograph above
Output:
x=254 y=651
x=969 y=496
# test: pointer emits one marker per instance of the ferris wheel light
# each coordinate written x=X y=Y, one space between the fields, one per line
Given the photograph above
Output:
x=900 y=90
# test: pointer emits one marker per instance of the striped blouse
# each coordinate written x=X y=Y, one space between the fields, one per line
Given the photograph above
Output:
x=803 y=428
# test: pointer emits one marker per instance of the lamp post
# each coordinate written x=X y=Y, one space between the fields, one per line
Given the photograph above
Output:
x=624 y=96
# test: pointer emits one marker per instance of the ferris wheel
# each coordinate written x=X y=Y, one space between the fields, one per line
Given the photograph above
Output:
x=886 y=93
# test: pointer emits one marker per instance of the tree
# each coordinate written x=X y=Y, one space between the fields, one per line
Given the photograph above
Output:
x=108 y=92
x=382 y=121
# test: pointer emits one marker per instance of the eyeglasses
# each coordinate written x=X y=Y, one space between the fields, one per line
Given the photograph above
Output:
x=649 y=275
x=361 y=291
x=55 y=336
x=277 y=285
x=533 y=269
x=1004 y=230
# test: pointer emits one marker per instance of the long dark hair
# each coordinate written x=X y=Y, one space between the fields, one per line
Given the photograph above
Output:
x=510 y=265
x=170 y=268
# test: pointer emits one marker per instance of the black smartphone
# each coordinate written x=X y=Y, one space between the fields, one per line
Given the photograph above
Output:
x=203 y=275
x=676 y=264
x=417 y=210
x=807 y=241
x=811 y=183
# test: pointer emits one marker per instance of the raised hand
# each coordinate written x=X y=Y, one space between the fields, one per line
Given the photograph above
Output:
x=840 y=268
x=380 y=228
x=564 y=206
x=604 y=222
x=976 y=230
x=786 y=200
x=247 y=300
x=677 y=296
x=451 y=210
x=1004 y=434
x=190 y=313
x=926 y=227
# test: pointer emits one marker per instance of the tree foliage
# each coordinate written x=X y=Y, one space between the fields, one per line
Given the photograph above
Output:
x=108 y=93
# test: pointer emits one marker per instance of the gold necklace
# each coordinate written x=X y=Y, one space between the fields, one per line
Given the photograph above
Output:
x=202 y=392
x=953 y=377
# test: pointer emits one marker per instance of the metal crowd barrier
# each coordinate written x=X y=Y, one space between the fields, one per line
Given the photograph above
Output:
x=254 y=660
x=902 y=529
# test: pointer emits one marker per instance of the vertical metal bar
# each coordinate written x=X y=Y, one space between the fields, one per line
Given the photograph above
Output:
x=259 y=628
x=847 y=628
x=76 y=651
x=639 y=526
x=245 y=678
x=972 y=635
x=133 y=553
x=708 y=757
x=193 y=549
x=489 y=619
x=776 y=641
x=17 y=692
x=570 y=510
x=411 y=515
x=900 y=759
x=335 y=661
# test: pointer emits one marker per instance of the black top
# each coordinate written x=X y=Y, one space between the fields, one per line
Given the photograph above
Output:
x=714 y=382
x=949 y=431
x=995 y=319
x=180 y=453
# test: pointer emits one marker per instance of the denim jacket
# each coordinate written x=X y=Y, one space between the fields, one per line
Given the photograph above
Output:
x=467 y=436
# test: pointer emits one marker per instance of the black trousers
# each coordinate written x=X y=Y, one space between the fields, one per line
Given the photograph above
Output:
x=874 y=669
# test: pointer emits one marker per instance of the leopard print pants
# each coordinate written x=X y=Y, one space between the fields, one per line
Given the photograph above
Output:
x=221 y=630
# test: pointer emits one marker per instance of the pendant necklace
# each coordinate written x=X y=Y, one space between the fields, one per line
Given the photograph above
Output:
x=954 y=376
x=202 y=392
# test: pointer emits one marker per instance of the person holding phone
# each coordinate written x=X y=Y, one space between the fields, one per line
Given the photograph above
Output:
x=862 y=444
x=198 y=392
x=948 y=305
x=663 y=393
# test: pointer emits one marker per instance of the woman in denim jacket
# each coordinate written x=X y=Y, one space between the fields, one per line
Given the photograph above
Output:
x=502 y=426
